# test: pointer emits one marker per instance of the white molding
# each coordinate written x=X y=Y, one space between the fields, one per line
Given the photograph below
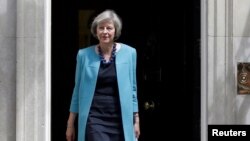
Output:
x=204 y=70
x=47 y=40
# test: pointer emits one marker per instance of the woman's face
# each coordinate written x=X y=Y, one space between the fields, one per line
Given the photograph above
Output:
x=105 y=32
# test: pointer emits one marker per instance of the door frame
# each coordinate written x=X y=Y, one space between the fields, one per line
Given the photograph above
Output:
x=204 y=68
x=47 y=46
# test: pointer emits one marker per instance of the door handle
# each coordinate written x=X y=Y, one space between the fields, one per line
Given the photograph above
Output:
x=149 y=105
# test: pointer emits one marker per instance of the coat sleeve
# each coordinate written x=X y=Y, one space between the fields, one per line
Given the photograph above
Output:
x=74 y=106
x=135 y=100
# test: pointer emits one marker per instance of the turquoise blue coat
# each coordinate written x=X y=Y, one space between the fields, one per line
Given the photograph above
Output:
x=88 y=63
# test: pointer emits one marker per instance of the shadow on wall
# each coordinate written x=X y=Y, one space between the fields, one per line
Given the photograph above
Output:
x=241 y=45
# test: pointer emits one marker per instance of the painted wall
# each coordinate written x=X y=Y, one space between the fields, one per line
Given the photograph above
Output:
x=23 y=69
x=8 y=70
x=228 y=42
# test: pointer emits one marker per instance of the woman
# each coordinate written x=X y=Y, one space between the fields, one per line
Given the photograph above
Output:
x=105 y=92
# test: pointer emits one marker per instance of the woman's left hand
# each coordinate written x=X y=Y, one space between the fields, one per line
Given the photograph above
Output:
x=137 y=129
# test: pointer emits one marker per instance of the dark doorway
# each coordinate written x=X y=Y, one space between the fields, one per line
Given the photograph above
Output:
x=192 y=60
x=149 y=31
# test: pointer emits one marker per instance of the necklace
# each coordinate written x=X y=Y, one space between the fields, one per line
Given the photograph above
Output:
x=112 y=57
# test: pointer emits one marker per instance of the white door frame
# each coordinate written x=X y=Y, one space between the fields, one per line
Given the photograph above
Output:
x=47 y=40
x=204 y=72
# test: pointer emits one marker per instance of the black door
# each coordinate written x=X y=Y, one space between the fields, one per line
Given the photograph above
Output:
x=150 y=31
x=143 y=30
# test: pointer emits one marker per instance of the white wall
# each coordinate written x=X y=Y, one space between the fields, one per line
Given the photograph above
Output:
x=32 y=91
x=227 y=40
x=7 y=70
x=241 y=42
x=25 y=70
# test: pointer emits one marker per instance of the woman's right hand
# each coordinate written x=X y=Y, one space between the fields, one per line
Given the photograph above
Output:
x=70 y=133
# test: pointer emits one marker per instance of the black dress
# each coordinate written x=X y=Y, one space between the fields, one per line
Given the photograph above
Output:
x=104 y=121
